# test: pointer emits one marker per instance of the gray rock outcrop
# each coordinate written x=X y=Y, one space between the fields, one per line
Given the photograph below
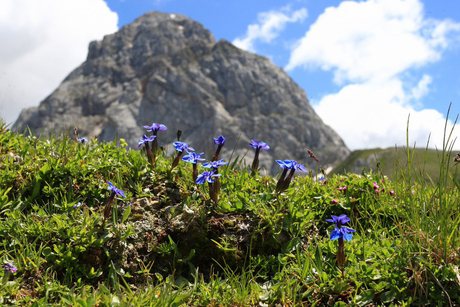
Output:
x=167 y=68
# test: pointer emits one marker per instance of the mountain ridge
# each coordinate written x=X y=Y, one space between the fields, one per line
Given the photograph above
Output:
x=169 y=69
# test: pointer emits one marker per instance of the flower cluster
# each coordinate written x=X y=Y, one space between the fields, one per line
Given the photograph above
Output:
x=376 y=188
x=9 y=268
x=212 y=178
x=285 y=179
x=154 y=128
x=181 y=148
x=194 y=159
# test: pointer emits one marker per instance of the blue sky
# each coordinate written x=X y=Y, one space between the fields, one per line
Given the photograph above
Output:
x=365 y=65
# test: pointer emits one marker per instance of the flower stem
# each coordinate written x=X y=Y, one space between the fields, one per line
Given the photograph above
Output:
x=255 y=163
x=108 y=207
x=216 y=155
x=150 y=156
x=195 y=172
x=341 y=256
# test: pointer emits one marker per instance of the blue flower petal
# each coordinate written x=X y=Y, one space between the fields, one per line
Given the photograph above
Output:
x=336 y=234
x=343 y=219
x=347 y=236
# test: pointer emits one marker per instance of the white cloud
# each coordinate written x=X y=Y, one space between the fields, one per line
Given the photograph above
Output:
x=422 y=87
x=42 y=42
x=368 y=46
x=269 y=25
x=374 y=114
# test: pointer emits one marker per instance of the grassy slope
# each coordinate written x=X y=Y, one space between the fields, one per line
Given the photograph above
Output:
x=390 y=161
x=168 y=244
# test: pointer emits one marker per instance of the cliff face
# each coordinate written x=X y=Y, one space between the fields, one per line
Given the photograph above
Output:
x=167 y=68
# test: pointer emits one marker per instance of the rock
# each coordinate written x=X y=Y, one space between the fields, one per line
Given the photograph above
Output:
x=167 y=68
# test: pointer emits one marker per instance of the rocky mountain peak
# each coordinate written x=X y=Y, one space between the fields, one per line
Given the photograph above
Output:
x=169 y=69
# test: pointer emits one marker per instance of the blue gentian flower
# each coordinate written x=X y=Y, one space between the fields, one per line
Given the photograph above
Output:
x=9 y=268
x=145 y=140
x=181 y=146
x=115 y=190
x=285 y=179
x=155 y=128
x=285 y=164
x=83 y=140
x=291 y=164
x=220 y=140
x=193 y=157
x=301 y=167
x=260 y=145
x=339 y=231
x=215 y=164
x=255 y=163
x=108 y=206
x=207 y=176
x=214 y=189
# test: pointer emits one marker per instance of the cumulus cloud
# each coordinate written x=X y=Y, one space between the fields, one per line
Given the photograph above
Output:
x=368 y=46
x=422 y=88
x=268 y=27
x=374 y=114
x=42 y=42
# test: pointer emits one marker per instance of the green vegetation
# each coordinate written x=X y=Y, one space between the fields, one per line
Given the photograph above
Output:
x=389 y=161
x=168 y=244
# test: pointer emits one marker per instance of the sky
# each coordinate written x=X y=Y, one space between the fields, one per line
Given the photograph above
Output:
x=370 y=69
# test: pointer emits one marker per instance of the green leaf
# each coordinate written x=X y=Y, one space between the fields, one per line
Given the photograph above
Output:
x=388 y=297
x=181 y=281
x=36 y=189
x=159 y=277
x=190 y=256
x=238 y=205
x=318 y=259
x=290 y=246
x=46 y=251
x=365 y=298
x=126 y=214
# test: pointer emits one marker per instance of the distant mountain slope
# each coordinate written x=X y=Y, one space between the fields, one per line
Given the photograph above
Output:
x=167 y=68
x=390 y=160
